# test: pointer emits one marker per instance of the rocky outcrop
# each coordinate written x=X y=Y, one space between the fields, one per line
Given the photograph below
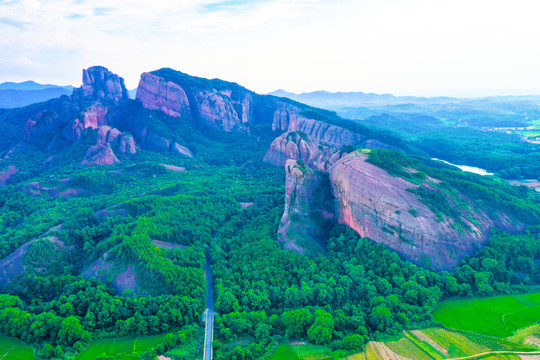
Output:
x=379 y=206
x=99 y=84
x=297 y=145
x=156 y=93
x=73 y=131
x=100 y=154
x=6 y=174
x=178 y=149
x=217 y=110
x=95 y=116
x=122 y=277
x=123 y=142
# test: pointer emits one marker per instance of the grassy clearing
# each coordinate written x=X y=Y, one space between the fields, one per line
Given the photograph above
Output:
x=185 y=351
x=313 y=352
x=14 y=349
x=125 y=345
x=284 y=351
x=499 y=316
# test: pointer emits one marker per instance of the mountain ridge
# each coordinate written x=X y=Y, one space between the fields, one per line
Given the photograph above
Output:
x=100 y=112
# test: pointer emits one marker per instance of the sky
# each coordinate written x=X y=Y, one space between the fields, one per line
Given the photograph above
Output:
x=404 y=47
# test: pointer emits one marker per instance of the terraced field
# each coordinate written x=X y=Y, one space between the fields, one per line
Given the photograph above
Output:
x=498 y=316
x=439 y=343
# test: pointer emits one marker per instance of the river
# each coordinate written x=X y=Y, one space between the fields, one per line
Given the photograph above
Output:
x=470 y=169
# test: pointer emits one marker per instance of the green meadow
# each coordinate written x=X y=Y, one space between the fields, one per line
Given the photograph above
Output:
x=284 y=351
x=498 y=316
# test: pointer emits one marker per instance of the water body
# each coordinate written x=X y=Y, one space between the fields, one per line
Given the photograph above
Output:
x=470 y=169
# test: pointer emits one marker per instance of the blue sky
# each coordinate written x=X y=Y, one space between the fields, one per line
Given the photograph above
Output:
x=404 y=47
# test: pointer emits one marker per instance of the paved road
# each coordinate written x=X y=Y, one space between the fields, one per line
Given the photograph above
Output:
x=209 y=329
x=209 y=335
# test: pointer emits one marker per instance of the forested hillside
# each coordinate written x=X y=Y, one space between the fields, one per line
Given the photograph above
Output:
x=108 y=207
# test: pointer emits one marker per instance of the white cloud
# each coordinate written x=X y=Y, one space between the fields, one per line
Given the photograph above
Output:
x=420 y=47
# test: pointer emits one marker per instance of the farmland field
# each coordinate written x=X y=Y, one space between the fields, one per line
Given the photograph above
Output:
x=498 y=316
x=125 y=345
x=14 y=349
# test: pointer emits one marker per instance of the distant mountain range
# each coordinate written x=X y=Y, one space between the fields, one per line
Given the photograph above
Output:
x=497 y=111
x=13 y=95
x=337 y=100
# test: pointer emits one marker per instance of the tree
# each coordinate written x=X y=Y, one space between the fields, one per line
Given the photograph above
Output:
x=296 y=322
x=72 y=331
x=353 y=342
x=322 y=329
x=380 y=318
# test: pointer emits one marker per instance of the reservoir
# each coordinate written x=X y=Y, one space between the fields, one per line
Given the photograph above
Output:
x=471 y=169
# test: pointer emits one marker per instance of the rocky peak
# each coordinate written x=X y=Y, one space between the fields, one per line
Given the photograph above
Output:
x=101 y=84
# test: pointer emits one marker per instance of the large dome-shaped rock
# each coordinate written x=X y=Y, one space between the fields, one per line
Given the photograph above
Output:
x=379 y=206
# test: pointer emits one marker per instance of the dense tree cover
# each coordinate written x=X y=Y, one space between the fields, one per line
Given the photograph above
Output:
x=490 y=194
x=367 y=290
x=352 y=291
x=113 y=224
x=357 y=291
x=507 y=155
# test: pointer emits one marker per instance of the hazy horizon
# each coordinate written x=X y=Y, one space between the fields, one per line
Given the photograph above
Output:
x=401 y=47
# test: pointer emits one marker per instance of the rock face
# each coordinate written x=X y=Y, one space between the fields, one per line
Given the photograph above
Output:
x=227 y=109
x=95 y=116
x=101 y=84
x=378 y=205
x=156 y=93
x=299 y=146
x=295 y=228
x=217 y=110
x=319 y=131
x=305 y=217
x=367 y=199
